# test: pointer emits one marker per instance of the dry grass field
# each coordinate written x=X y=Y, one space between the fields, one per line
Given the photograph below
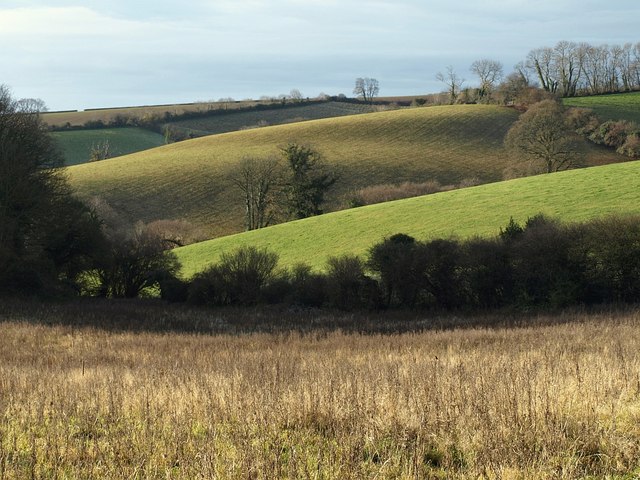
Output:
x=556 y=397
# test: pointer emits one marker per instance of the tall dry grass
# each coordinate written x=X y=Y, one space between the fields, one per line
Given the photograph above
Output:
x=549 y=401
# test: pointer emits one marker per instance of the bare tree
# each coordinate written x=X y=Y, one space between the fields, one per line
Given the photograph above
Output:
x=489 y=72
x=570 y=69
x=452 y=81
x=540 y=61
x=259 y=181
x=100 y=151
x=542 y=134
x=31 y=105
x=568 y=58
x=366 y=88
x=295 y=95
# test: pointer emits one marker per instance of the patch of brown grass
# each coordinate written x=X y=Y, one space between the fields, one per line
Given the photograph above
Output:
x=556 y=400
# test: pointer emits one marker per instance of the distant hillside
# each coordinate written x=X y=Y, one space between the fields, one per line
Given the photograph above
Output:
x=239 y=120
x=619 y=106
x=191 y=179
x=77 y=144
x=573 y=196
x=78 y=118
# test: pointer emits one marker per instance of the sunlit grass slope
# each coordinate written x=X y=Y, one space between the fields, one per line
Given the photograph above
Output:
x=191 y=179
x=573 y=195
x=619 y=106
x=76 y=144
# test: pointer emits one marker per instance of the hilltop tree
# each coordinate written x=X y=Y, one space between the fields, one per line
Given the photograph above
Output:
x=366 y=88
x=453 y=83
x=307 y=181
x=489 y=72
x=542 y=134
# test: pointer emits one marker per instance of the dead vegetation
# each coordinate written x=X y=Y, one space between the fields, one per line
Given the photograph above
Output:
x=558 y=399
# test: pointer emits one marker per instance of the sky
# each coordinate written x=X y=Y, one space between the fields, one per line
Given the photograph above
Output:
x=86 y=54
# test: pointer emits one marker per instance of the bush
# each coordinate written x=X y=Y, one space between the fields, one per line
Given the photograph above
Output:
x=347 y=286
x=631 y=146
x=308 y=288
x=441 y=261
x=135 y=260
x=612 y=251
x=239 y=278
x=544 y=271
x=613 y=133
x=488 y=272
x=395 y=261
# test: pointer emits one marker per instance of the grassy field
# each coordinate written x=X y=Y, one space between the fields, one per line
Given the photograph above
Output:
x=573 y=196
x=620 y=106
x=192 y=180
x=233 y=121
x=558 y=398
x=76 y=144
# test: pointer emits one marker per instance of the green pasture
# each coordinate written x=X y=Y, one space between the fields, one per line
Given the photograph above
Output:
x=619 y=106
x=76 y=144
x=574 y=195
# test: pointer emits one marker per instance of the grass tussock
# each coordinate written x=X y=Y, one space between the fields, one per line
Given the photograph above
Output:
x=560 y=399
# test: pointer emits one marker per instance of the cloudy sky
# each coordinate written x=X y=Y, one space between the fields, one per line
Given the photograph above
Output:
x=81 y=54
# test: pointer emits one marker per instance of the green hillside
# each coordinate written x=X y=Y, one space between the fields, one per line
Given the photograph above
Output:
x=619 y=106
x=76 y=144
x=572 y=195
x=191 y=180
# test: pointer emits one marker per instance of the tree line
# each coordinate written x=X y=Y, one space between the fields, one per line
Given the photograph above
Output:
x=570 y=69
x=542 y=263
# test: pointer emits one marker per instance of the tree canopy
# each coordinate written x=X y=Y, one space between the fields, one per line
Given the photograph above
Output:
x=46 y=235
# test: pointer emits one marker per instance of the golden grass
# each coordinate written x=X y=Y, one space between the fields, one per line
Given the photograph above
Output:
x=545 y=401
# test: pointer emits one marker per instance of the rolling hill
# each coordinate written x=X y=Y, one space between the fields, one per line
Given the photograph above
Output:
x=191 y=180
x=572 y=196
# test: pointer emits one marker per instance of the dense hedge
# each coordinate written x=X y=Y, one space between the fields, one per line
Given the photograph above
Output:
x=542 y=263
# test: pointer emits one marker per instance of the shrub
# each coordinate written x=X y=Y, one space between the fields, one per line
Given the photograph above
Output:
x=631 y=146
x=135 y=260
x=612 y=269
x=441 y=261
x=239 y=278
x=395 y=261
x=544 y=270
x=487 y=270
x=347 y=286
x=582 y=120
x=308 y=288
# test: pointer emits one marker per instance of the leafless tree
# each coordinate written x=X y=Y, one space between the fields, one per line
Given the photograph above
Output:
x=259 y=181
x=570 y=69
x=31 y=105
x=542 y=134
x=489 y=72
x=295 y=95
x=100 y=151
x=540 y=61
x=568 y=59
x=452 y=81
x=366 y=88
